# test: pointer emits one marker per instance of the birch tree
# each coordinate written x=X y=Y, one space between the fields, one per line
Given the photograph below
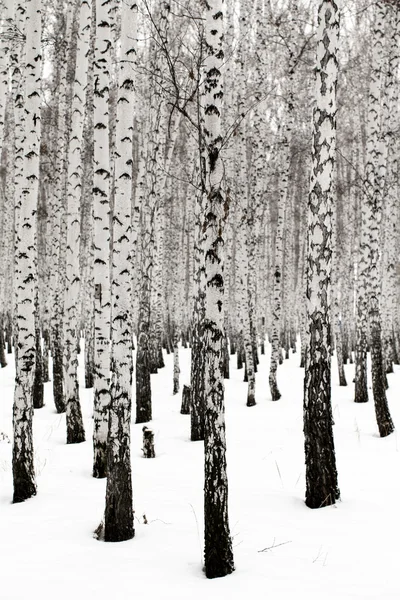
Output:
x=321 y=475
x=64 y=22
x=22 y=463
x=75 y=429
x=118 y=523
x=375 y=168
x=218 y=554
x=391 y=220
x=101 y=216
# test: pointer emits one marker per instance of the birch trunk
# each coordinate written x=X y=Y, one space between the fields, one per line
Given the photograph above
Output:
x=375 y=168
x=58 y=207
x=75 y=428
x=218 y=554
x=101 y=217
x=22 y=463
x=321 y=475
x=280 y=229
x=391 y=213
x=119 y=509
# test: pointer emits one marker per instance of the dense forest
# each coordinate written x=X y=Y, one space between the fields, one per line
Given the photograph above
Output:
x=213 y=177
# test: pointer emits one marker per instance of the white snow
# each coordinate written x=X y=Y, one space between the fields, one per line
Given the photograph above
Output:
x=47 y=549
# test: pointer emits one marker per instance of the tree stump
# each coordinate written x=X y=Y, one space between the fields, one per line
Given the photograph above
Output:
x=148 y=443
x=185 y=406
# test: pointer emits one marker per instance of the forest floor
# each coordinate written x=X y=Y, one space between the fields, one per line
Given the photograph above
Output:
x=282 y=548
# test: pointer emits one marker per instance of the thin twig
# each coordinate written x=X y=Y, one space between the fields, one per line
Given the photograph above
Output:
x=275 y=546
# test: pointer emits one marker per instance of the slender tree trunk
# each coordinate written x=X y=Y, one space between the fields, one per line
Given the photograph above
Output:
x=375 y=168
x=75 y=428
x=22 y=463
x=321 y=475
x=197 y=390
x=118 y=522
x=101 y=215
x=218 y=554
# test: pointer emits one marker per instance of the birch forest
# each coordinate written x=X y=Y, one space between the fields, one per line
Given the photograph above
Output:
x=195 y=195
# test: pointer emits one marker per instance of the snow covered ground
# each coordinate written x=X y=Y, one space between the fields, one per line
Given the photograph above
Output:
x=47 y=549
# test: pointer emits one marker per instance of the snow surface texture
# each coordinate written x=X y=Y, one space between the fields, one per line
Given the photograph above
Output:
x=47 y=549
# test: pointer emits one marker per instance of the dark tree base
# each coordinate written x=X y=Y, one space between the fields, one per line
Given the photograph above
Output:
x=3 y=361
x=197 y=394
x=250 y=400
x=143 y=415
x=75 y=429
x=58 y=387
x=321 y=475
x=24 y=484
x=184 y=340
x=148 y=443
x=256 y=358
x=361 y=388
x=360 y=399
x=226 y=360
x=143 y=387
x=38 y=394
x=38 y=386
x=273 y=386
x=75 y=436
x=100 y=464
x=161 y=363
x=342 y=378
x=89 y=380
x=196 y=426
x=118 y=516
x=9 y=335
x=218 y=554
x=185 y=406
x=379 y=381
x=386 y=428
x=89 y=364
x=316 y=501
x=23 y=493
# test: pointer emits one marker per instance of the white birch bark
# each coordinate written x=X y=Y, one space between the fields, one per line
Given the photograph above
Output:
x=57 y=280
x=23 y=468
x=390 y=124
x=321 y=475
x=18 y=86
x=244 y=226
x=375 y=169
x=6 y=39
x=152 y=189
x=119 y=509
x=218 y=553
x=101 y=216
x=75 y=429
x=284 y=159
